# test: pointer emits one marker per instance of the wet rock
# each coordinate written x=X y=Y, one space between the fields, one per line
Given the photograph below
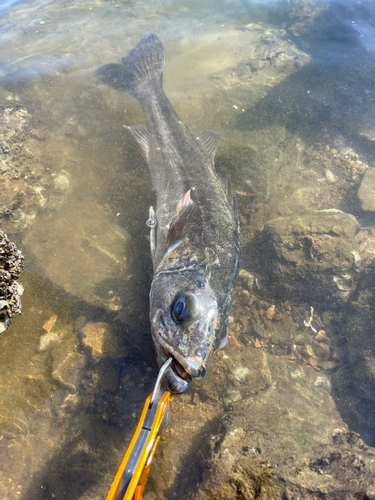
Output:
x=31 y=177
x=303 y=14
x=80 y=249
x=272 y=52
x=296 y=331
x=69 y=371
x=99 y=338
x=106 y=378
x=278 y=435
x=196 y=399
x=48 y=339
x=48 y=325
x=295 y=446
x=311 y=257
x=354 y=382
x=248 y=479
x=283 y=175
x=366 y=192
x=57 y=333
x=11 y=265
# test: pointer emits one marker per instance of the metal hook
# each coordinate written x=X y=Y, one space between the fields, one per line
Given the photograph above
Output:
x=162 y=371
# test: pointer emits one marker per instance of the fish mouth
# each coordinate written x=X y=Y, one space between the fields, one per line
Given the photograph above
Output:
x=192 y=365
x=177 y=378
x=179 y=370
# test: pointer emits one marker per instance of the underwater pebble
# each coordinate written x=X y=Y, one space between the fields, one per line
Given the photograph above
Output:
x=232 y=396
x=46 y=339
x=48 y=325
x=324 y=349
x=196 y=399
x=330 y=177
x=357 y=257
x=309 y=350
x=313 y=363
x=323 y=381
x=321 y=335
x=61 y=182
x=240 y=372
x=271 y=312
x=69 y=371
x=367 y=190
x=98 y=338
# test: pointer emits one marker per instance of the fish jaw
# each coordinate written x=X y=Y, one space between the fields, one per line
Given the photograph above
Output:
x=175 y=383
x=186 y=364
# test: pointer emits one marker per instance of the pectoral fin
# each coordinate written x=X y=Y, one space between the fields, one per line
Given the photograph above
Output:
x=151 y=223
x=179 y=218
x=224 y=340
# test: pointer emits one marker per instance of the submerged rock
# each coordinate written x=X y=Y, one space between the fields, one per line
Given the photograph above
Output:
x=292 y=444
x=101 y=341
x=312 y=257
x=82 y=251
x=69 y=371
x=31 y=174
x=280 y=438
x=11 y=265
x=354 y=382
x=366 y=192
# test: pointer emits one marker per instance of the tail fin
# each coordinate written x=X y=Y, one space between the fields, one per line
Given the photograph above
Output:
x=145 y=63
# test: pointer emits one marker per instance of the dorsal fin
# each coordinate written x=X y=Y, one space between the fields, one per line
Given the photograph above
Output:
x=208 y=140
x=141 y=135
x=183 y=210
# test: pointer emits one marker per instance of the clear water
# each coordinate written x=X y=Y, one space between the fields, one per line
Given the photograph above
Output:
x=280 y=79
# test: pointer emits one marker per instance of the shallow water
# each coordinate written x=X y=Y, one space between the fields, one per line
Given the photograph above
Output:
x=291 y=85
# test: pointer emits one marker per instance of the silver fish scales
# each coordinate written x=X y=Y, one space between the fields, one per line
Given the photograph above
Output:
x=195 y=233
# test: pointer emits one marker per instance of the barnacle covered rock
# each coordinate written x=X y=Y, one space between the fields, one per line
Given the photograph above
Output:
x=11 y=265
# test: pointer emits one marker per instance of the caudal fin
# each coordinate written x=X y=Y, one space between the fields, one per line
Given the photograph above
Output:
x=145 y=63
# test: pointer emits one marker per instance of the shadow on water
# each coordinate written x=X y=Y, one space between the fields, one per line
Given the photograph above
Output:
x=335 y=93
x=195 y=459
x=86 y=458
x=67 y=468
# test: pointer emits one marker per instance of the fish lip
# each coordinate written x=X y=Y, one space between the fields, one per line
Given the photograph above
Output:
x=175 y=383
x=194 y=367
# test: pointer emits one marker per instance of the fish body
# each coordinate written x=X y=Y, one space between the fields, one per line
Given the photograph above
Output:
x=195 y=233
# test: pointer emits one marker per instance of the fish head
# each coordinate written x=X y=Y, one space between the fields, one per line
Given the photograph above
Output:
x=183 y=314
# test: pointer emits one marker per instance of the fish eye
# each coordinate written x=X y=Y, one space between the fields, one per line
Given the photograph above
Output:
x=185 y=308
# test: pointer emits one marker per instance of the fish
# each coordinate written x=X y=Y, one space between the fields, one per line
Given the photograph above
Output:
x=194 y=230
